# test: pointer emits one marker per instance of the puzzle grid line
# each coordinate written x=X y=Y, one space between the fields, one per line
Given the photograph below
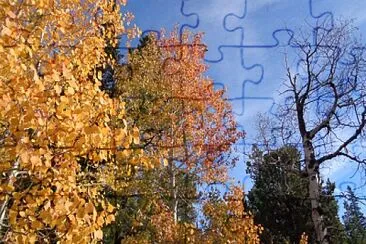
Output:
x=190 y=18
x=232 y=43
x=251 y=74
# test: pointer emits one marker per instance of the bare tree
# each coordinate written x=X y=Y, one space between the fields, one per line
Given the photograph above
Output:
x=326 y=93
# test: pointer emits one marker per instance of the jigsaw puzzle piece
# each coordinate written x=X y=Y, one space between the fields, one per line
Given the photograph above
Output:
x=260 y=97
x=151 y=16
x=232 y=73
x=268 y=23
x=210 y=19
x=346 y=10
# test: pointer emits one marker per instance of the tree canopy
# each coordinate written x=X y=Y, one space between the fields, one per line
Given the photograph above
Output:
x=97 y=150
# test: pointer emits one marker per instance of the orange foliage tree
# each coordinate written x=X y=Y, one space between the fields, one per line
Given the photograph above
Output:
x=181 y=117
x=184 y=121
x=52 y=115
x=227 y=221
x=224 y=220
x=188 y=120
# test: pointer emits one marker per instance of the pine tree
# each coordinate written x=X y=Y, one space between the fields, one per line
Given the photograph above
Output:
x=354 y=220
x=279 y=199
x=336 y=232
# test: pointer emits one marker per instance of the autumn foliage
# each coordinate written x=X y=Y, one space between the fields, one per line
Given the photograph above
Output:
x=186 y=124
x=67 y=146
x=224 y=220
x=178 y=111
x=53 y=114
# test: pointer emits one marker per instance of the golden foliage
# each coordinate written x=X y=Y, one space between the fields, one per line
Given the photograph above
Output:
x=53 y=114
x=180 y=114
x=63 y=140
x=182 y=118
x=228 y=222
x=304 y=239
x=224 y=221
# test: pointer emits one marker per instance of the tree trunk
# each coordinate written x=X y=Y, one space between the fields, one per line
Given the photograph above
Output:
x=174 y=199
x=312 y=167
x=173 y=190
x=4 y=206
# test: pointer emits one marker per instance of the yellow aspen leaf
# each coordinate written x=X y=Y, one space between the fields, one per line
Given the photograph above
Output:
x=80 y=213
x=6 y=32
x=47 y=205
x=100 y=75
x=66 y=72
x=73 y=84
x=124 y=123
x=120 y=135
x=36 y=224
x=20 y=239
x=56 y=76
x=110 y=218
x=165 y=162
x=89 y=208
x=126 y=153
x=35 y=160
x=70 y=91
x=24 y=67
x=134 y=161
x=41 y=121
x=129 y=171
x=12 y=217
x=98 y=234
x=120 y=116
x=100 y=220
x=11 y=14
x=58 y=222
x=109 y=34
x=110 y=208
x=31 y=238
x=30 y=213
x=62 y=29
x=136 y=135
x=7 y=188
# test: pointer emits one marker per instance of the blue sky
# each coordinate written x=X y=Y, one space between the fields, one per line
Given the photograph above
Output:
x=246 y=43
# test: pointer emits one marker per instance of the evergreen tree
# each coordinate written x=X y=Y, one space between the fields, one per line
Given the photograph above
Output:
x=279 y=199
x=354 y=220
x=142 y=201
x=336 y=232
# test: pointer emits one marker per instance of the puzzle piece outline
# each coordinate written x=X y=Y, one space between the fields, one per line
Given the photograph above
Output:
x=241 y=45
